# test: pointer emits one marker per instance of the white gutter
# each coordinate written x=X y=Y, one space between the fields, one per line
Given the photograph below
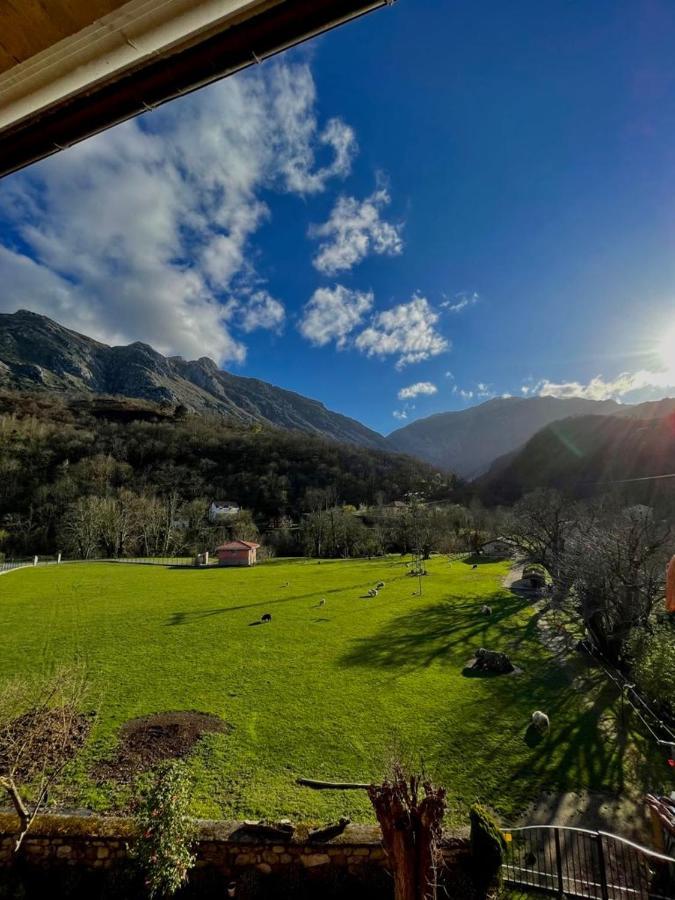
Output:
x=116 y=43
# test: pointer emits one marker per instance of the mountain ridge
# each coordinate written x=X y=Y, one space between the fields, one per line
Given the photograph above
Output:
x=39 y=353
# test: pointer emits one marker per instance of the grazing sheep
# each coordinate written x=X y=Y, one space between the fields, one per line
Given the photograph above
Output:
x=267 y=617
x=474 y=566
x=372 y=592
x=322 y=601
x=486 y=610
x=540 y=720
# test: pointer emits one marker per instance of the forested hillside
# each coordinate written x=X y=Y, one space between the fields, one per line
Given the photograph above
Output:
x=157 y=466
x=588 y=456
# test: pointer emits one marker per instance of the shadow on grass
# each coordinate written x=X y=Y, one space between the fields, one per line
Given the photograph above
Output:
x=442 y=630
x=188 y=617
x=591 y=757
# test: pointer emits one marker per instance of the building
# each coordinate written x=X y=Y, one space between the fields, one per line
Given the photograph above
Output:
x=497 y=548
x=535 y=575
x=223 y=509
x=237 y=553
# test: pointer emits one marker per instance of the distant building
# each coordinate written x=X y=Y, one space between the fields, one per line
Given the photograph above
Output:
x=237 y=553
x=396 y=507
x=223 y=509
x=497 y=548
x=535 y=576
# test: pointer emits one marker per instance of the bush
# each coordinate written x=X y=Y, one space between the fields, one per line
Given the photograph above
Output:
x=653 y=663
x=487 y=848
x=163 y=848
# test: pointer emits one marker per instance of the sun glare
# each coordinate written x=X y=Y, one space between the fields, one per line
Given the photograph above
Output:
x=666 y=350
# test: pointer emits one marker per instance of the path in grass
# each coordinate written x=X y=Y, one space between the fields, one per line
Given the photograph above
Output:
x=328 y=692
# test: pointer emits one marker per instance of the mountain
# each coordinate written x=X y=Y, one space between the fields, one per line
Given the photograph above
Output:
x=588 y=454
x=37 y=353
x=468 y=441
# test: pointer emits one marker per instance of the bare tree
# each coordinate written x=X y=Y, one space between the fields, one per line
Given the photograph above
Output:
x=540 y=525
x=41 y=728
x=410 y=812
x=614 y=563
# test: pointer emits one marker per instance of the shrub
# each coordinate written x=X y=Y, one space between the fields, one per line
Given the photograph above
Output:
x=487 y=847
x=653 y=663
x=163 y=847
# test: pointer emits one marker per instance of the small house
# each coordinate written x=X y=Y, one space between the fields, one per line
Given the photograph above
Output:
x=535 y=575
x=497 y=548
x=223 y=509
x=237 y=553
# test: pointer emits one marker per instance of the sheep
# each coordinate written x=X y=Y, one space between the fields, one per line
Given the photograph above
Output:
x=486 y=610
x=322 y=601
x=379 y=585
x=474 y=566
x=373 y=592
x=540 y=720
x=267 y=617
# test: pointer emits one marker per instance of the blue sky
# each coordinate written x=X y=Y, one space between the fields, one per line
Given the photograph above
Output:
x=441 y=201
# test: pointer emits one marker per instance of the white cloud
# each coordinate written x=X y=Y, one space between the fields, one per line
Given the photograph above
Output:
x=142 y=232
x=461 y=301
x=464 y=394
x=400 y=414
x=414 y=390
x=354 y=230
x=599 y=388
x=261 y=310
x=333 y=313
x=408 y=329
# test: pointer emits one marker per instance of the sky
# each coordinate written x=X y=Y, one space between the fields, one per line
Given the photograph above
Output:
x=437 y=204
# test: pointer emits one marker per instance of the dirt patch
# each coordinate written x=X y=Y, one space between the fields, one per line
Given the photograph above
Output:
x=150 y=740
x=41 y=740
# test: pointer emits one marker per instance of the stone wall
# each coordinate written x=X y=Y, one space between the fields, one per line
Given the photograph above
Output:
x=354 y=861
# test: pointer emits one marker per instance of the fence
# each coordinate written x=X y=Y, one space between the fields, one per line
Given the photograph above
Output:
x=574 y=862
x=176 y=561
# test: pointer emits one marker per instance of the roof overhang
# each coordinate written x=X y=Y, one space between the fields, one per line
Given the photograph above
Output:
x=136 y=57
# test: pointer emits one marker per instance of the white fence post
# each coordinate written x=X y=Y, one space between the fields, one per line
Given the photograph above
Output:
x=206 y=557
x=58 y=557
x=35 y=560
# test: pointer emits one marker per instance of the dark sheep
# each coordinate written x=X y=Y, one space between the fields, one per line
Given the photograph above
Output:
x=266 y=618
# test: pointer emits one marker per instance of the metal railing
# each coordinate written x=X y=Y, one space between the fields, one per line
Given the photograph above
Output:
x=594 y=865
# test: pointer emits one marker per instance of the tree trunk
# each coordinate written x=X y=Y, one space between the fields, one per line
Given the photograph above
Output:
x=411 y=832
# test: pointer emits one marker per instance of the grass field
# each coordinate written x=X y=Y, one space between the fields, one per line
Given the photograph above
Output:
x=328 y=692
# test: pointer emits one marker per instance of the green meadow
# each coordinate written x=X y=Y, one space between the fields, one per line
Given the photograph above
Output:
x=331 y=692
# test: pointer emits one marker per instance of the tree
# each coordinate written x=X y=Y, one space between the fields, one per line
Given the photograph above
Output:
x=410 y=812
x=81 y=527
x=540 y=525
x=614 y=563
x=41 y=728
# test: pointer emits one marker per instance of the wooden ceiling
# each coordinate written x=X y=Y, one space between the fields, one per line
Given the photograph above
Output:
x=29 y=26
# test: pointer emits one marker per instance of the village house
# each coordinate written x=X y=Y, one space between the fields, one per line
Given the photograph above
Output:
x=237 y=553
x=497 y=548
x=223 y=509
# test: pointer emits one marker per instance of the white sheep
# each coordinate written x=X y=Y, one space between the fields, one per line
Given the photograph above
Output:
x=322 y=601
x=379 y=585
x=372 y=592
x=540 y=720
